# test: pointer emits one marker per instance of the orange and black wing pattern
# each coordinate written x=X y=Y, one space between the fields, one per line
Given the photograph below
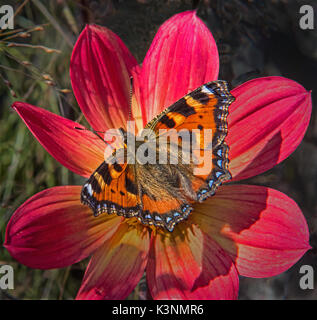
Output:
x=204 y=108
x=163 y=213
x=112 y=189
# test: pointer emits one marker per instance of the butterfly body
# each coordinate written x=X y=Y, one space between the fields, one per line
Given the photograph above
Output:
x=162 y=194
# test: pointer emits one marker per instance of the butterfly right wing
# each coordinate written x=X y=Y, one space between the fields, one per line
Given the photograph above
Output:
x=205 y=108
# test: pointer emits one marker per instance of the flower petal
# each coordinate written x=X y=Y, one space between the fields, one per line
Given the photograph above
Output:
x=117 y=266
x=100 y=70
x=262 y=229
x=183 y=56
x=267 y=122
x=53 y=229
x=78 y=150
x=188 y=264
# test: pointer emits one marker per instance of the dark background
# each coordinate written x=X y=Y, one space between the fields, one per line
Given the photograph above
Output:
x=254 y=38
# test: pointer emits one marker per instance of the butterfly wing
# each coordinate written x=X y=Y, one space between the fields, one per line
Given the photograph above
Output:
x=206 y=108
x=111 y=189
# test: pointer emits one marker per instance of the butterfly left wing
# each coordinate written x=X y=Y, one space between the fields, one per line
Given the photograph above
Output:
x=112 y=189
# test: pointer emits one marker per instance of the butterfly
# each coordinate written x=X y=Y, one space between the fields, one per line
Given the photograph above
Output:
x=163 y=194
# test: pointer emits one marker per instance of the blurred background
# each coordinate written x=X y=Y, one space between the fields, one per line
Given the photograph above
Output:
x=255 y=38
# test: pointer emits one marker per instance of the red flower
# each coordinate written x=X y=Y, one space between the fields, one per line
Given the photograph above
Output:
x=248 y=230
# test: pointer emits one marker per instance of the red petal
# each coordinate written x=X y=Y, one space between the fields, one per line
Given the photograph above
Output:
x=267 y=122
x=183 y=56
x=188 y=264
x=53 y=229
x=78 y=150
x=117 y=266
x=100 y=70
x=262 y=229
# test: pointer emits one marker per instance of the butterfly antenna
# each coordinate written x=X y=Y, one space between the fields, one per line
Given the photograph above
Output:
x=93 y=131
x=131 y=94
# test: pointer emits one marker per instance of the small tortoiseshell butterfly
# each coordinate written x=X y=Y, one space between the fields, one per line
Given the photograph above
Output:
x=162 y=194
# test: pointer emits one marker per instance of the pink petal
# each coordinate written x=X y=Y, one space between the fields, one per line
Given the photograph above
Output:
x=183 y=56
x=138 y=116
x=78 y=150
x=117 y=266
x=100 y=70
x=53 y=229
x=262 y=229
x=267 y=122
x=188 y=264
